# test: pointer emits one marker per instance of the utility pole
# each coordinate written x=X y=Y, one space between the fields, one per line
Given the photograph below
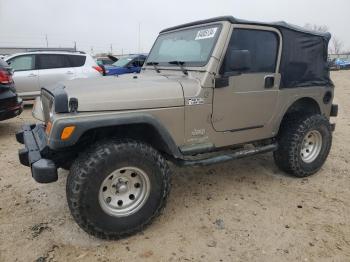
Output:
x=139 y=47
x=75 y=45
x=47 y=41
x=111 y=49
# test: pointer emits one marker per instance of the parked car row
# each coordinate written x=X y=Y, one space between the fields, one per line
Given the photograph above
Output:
x=28 y=72
x=339 y=64
x=34 y=70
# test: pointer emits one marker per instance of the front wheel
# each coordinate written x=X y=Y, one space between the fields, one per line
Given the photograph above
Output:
x=117 y=187
x=304 y=144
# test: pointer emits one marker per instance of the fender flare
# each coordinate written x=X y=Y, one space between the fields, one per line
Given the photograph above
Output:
x=85 y=123
x=290 y=105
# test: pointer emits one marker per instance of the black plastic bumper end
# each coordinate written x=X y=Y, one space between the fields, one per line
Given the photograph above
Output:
x=334 y=110
x=23 y=155
x=20 y=137
x=44 y=171
x=332 y=127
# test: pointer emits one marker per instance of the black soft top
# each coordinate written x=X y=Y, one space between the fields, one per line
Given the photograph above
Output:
x=304 y=52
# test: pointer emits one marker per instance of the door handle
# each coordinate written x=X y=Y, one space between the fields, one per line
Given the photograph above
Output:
x=32 y=75
x=70 y=73
x=269 y=81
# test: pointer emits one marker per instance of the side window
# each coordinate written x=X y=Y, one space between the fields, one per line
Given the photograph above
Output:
x=76 y=60
x=50 y=61
x=257 y=49
x=140 y=61
x=22 y=63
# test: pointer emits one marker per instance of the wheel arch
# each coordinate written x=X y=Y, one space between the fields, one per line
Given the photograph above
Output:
x=143 y=127
x=301 y=106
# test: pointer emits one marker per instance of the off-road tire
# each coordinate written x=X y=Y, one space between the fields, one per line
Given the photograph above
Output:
x=66 y=165
x=91 y=168
x=290 y=139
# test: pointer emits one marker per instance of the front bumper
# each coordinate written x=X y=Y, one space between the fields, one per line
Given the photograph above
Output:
x=32 y=155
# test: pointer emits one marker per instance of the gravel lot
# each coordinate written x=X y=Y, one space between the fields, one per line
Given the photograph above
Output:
x=245 y=210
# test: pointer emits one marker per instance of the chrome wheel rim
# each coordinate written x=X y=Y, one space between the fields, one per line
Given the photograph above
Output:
x=124 y=191
x=311 y=146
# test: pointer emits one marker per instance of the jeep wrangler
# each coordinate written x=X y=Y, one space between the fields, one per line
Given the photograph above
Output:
x=210 y=91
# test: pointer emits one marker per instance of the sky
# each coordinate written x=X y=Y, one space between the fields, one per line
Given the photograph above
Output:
x=104 y=25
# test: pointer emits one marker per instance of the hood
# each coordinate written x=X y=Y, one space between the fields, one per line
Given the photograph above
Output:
x=125 y=92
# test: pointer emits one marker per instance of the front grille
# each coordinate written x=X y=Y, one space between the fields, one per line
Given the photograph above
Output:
x=47 y=103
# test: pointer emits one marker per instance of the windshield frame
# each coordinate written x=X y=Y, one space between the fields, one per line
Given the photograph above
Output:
x=189 y=64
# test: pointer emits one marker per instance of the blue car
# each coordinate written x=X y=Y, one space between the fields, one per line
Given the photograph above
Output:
x=126 y=65
x=341 y=64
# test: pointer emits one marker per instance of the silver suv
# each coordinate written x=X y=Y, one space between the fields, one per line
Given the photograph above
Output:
x=34 y=70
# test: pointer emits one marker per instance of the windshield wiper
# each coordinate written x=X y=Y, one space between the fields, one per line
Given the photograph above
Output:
x=154 y=65
x=180 y=64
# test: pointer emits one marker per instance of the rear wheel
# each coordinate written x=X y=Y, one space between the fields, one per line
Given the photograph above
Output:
x=304 y=144
x=117 y=187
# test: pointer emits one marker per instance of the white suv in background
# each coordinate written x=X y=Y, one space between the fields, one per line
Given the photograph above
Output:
x=34 y=70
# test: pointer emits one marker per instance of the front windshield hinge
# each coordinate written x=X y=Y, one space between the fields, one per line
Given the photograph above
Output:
x=154 y=64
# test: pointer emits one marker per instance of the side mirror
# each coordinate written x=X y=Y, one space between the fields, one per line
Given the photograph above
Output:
x=239 y=60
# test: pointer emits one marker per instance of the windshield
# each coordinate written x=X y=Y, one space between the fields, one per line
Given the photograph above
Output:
x=192 y=46
x=123 y=61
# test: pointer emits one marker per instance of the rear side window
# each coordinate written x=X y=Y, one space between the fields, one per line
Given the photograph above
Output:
x=139 y=61
x=50 y=61
x=76 y=60
x=22 y=63
x=261 y=45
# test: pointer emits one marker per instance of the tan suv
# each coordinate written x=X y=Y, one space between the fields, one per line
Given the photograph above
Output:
x=210 y=91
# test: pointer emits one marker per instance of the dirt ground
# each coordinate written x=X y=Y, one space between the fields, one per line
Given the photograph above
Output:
x=244 y=210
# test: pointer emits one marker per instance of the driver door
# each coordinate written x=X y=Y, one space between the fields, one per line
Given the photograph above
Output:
x=246 y=93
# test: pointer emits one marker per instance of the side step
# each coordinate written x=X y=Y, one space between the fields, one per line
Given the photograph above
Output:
x=240 y=153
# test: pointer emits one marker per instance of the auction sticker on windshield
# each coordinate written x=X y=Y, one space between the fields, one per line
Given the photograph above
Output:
x=206 y=33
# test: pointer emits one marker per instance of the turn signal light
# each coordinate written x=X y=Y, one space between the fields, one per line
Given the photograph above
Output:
x=67 y=132
x=48 y=128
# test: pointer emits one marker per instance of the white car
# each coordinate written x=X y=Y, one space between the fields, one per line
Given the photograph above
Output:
x=33 y=70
